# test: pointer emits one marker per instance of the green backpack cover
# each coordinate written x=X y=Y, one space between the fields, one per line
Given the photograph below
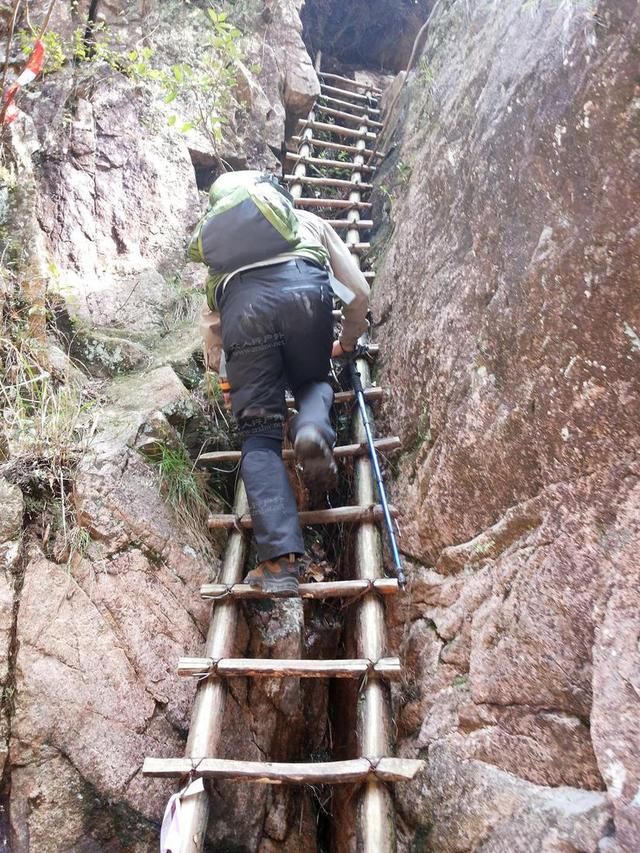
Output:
x=248 y=220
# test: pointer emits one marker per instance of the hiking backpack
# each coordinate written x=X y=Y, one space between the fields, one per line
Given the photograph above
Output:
x=250 y=219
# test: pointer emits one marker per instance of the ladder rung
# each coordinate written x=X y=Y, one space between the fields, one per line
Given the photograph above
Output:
x=316 y=590
x=359 y=248
x=348 y=116
x=286 y=668
x=329 y=164
x=337 y=203
x=384 y=445
x=325 y=772
x=335 y=128
x=369 y=275
x=371 y=394
x=338 y=515
x=335 y=146
x=339 y=79
x=362 y=224
x=369 y=110
x=327 y=182
x=354 y=95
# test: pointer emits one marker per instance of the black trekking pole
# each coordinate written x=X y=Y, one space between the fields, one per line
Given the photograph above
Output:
x=356 y=384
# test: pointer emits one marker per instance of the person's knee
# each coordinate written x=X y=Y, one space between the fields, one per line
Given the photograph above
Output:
x=315 y=391
x=262 y=434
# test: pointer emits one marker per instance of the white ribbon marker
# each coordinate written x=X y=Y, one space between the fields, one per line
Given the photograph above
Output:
x=170 y=837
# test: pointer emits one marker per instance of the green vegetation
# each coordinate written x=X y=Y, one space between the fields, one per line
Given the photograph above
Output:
x=426 y=74
x=55 y=53
x=60 y=52
x=204 y=89
x=404 y=171
x=207 y=87
x=41 y=413
x=422 y=434
x=191 y=493
x=46 y=419
x=184 y=490
x=178 y=480
x=484 y=547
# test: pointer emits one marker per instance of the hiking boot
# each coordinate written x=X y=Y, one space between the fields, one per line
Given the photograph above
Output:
x=319 y=469
x=277 y=577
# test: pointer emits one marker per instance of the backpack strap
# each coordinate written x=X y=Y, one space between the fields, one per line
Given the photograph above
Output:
x=268 y=178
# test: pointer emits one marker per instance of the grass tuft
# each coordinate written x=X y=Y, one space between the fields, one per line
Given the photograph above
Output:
x=187 y=493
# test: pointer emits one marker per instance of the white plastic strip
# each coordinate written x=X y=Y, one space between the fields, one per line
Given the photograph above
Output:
x=170 y=836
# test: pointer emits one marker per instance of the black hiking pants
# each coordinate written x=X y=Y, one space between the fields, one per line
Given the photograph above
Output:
x=277 y=332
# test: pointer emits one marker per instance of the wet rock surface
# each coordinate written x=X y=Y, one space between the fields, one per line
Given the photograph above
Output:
x=505 y=295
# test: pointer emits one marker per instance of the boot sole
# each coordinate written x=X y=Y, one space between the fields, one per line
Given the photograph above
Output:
x=285 y=588
x=319 y=469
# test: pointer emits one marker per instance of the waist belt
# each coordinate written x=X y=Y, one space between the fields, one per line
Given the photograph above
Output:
x=339 y=290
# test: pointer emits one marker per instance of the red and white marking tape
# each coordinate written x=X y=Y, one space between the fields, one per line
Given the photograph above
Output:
x=31 y=70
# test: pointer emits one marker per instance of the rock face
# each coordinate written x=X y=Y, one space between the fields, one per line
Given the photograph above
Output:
x=115 y=202
x=372 y=34
x=90 y=636
x=507 y=266
x=506 y=295
x=117 y=194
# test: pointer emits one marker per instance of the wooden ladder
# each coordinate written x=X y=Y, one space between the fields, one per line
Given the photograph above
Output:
x=323 y=130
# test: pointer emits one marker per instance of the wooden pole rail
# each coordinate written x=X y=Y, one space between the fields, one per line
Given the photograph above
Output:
x=338 y=515
x=361 y=224
x=325 y=772
x=208 y=708
x=338 y=203
x=339 y=79
x=305 y=150
x=337 y=146
x=361 y=119
x=362 y=108
x=384 y=445
x=337 y=129
x=371 y=395
x=326 y=182
x=359 y=85
x=271 y=667
x=375 y=814
x=354 y=95
x=327 y=164
x=316 y=590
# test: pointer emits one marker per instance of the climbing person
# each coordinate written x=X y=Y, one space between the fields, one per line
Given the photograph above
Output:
x=273 y=271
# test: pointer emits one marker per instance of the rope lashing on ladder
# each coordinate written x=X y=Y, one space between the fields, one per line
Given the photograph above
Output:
x=212 y=669
x=370 y=587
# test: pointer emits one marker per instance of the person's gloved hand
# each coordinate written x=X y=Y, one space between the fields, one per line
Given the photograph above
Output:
x=339 y=351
